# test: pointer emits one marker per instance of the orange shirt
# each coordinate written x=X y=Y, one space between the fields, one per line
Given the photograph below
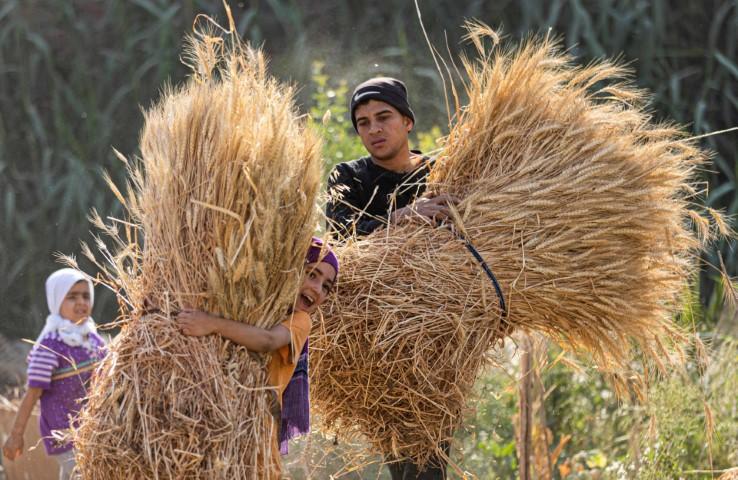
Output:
x=284 y=361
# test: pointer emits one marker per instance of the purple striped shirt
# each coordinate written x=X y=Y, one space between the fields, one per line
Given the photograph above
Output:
x=63 y=373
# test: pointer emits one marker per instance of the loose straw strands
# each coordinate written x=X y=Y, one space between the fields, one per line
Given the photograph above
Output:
x=230 y=162
x=162 y=407
x=580 y=204
x=386 y=360
x=590 y=197
x=221 y=209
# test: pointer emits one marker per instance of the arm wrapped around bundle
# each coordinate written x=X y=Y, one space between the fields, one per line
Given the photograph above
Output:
x=221 y=210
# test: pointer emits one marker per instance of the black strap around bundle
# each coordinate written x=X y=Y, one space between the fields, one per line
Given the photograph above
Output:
x=475 y=253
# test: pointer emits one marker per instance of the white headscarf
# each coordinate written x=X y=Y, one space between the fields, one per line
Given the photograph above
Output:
x=57 y=286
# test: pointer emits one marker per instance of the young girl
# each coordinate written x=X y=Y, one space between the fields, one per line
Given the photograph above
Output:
x=59 y=366
x=288 y=340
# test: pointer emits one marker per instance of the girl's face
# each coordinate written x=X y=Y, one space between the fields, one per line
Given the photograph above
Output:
x=316 y=286
x=76 y=304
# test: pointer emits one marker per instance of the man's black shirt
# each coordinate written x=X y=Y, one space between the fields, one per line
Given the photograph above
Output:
x=363 y=194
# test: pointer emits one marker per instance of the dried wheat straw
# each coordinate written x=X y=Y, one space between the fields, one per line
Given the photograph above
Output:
x=579 y=202
x=221 y=209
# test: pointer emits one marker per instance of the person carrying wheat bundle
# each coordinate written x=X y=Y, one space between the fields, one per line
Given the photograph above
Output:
x=220 y=208
x=384 y=187
x=571 y=213
x=287 y=342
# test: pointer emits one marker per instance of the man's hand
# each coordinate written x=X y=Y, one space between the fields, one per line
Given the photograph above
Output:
x=150 y=305
x=433 y=208
x=196 y=323
x=13 y=447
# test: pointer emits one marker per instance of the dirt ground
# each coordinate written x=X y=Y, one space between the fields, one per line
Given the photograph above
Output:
x=34 y=464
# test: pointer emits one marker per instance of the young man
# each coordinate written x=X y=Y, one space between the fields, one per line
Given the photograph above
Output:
x=384 y=187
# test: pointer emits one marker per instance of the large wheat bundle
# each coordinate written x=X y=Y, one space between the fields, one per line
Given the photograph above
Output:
x=729 y=474
x=581 y=206
x=221 y=209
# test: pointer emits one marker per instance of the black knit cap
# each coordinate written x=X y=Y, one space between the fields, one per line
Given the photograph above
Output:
x=386 y=89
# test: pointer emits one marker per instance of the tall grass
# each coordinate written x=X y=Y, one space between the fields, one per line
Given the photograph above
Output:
x=73 y=74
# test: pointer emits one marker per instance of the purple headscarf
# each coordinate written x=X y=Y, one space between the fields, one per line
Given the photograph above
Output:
x=323 y=253
x=295 y=417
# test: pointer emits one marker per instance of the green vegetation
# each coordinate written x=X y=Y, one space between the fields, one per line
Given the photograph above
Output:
x=73 y=74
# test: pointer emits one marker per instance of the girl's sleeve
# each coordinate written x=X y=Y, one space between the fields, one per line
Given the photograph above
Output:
x=41 y=365
x=299 y=325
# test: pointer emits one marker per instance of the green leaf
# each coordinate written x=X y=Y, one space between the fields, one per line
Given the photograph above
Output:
x=725 y=61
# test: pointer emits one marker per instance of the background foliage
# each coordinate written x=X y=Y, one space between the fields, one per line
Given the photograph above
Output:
x=74 y=75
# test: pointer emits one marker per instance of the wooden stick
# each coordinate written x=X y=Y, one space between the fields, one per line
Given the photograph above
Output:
x=524 y=406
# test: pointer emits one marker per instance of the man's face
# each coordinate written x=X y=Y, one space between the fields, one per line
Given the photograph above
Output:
x=382 y=128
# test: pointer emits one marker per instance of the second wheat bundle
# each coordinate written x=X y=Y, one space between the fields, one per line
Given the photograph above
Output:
x=221 y=209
